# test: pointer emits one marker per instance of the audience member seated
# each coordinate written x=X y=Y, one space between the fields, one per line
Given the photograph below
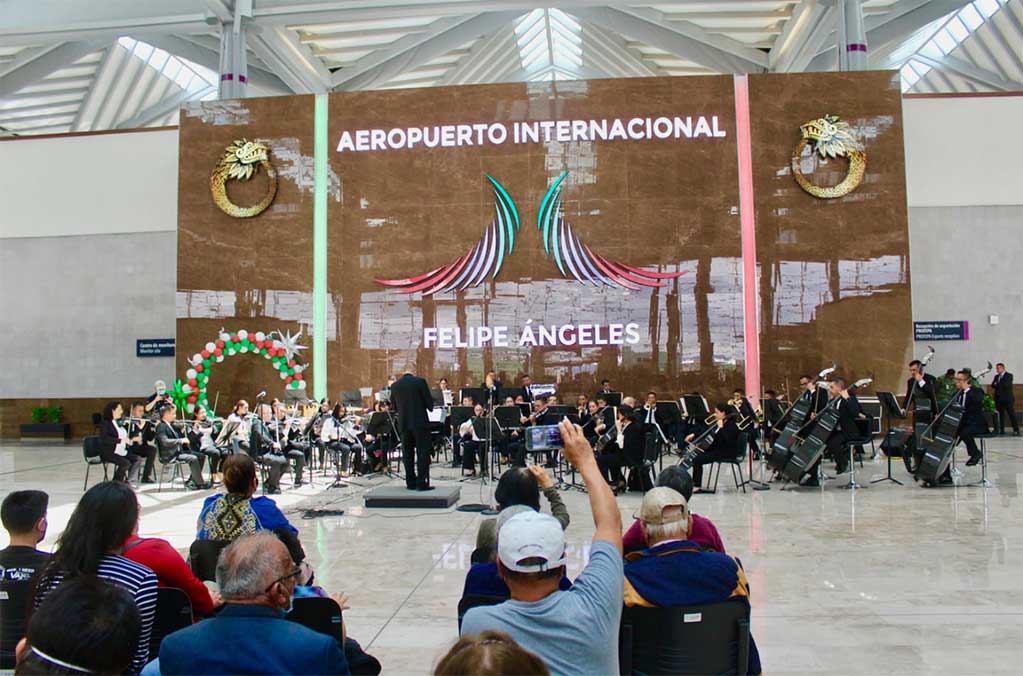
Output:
x=92 y=544
x=85 y=626
x=171 y=571
x=228 y=516
x=674 y=571
x=574 y=631
x=257 y=579
x=703 y=532
x=489 y=654
x=520 y=486
x=483 y=578
x=23 y=514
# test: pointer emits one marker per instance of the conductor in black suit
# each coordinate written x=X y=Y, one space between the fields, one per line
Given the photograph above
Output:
x=1005 y=400
x=973 y=422
x=411 y=396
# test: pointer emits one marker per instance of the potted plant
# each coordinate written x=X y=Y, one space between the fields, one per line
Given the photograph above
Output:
x=990 y=413
x=46 y=422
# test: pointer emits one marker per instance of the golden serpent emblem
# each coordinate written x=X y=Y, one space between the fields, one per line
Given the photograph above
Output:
x=240 y=162
x=831 y=137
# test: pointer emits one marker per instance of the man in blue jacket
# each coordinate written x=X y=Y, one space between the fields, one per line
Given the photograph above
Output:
x=257 y=579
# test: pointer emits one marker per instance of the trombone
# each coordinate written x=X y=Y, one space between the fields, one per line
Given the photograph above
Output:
x=743 y=422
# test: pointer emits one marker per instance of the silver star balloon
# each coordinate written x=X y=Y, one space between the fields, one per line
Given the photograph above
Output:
x=290 y=343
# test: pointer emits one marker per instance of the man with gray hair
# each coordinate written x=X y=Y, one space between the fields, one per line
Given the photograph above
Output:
x=676 y=572
x=257 y=580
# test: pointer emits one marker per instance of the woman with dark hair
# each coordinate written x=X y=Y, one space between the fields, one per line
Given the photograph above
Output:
x=519 y=486
x=92 y=544
x=491 y=653
x=87 y=625
x=113 y=447
x=723 y=447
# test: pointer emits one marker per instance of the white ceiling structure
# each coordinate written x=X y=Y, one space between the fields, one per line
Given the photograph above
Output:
x=85 y=65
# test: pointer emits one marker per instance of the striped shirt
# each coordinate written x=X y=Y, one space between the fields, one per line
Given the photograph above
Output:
x=140 y=583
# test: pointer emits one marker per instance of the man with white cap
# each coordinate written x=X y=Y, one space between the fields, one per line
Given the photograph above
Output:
x=574 y=631
x=674 y=571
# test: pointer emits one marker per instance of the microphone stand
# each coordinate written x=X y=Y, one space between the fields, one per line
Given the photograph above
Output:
x=488 y=480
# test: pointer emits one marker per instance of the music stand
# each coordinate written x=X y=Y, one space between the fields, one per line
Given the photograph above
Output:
x=695 y=406
x=438 y=397
x=891 y=408
x=561 y=411
x=508 y=416
x=381 y=425
x=351 y=398
x=525 y=409
x=475 y=393
x=485 y=429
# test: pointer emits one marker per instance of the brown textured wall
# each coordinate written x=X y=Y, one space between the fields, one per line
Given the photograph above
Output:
x=244 y=273
x=834 y=273
x=650 y=203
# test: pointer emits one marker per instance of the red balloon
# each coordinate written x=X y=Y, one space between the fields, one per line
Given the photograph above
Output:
x=280 y=352
x=287 y=381
x=219 y=343
x=192 y=398
x=218 y=352
x=259 y=344
x=199 y=368
x=205 y=354
x=298 y=376
x=235 y=338
x=291 y=363
x=193 y=382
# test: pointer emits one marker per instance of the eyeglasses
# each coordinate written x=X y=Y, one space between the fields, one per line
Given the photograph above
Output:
x=293 y=574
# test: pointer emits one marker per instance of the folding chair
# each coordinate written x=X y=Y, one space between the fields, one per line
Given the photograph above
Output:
x=736 y=465
x=202 y=558
x=173 y=612
x=319 y=613
x=90 y=451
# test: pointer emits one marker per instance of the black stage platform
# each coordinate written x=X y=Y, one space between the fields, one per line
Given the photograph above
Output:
x=441 y=497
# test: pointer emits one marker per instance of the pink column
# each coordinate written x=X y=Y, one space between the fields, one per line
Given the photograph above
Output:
x=749 y=238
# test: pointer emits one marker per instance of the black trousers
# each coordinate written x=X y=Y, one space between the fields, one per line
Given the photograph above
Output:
x=274 y=464
x=122 y=463
x=1006 y=412
x=415 y=448
x=706 y=458
x=971 y=443
x=471 y=450
x=610 y=464
x=145 y=452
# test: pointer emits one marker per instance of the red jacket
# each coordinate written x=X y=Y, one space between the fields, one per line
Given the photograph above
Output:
x=171 y=571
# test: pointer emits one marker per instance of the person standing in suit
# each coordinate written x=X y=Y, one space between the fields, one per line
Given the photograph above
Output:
x=1005 y=400
x=973 y=422
x=411 y=396
x=527 y=389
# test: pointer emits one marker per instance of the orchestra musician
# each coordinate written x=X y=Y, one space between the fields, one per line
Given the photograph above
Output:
x=745 y=410
x=582 y=405
x=456 y=443
x=200 y=438
x=472 y=445
x=336 y=439
x=171 y=446
x=114 y=443
x=314 y=428
x=590 y=423
x=605 y=387
x=541 y=416
x=288 y=435
x=267 y=452
x=235 y=432
x=973 y=422
x=491 y=387
x=921 y=387
x=849 y=411
x=527 y=389
x=817 y=396
x=140 y=438
x=773 y=412
x=725 y=445
x=649 y=412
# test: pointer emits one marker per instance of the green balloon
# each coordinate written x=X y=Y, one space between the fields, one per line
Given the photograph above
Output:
x=291 y=372
x=262 y=351
x=206 y=363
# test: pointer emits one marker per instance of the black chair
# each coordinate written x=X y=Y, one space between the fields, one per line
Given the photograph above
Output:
x=708 y=639
x=475 y=600
x=202 y=558
x=15 y=604
x=90 y=451
x=97 y=423
x=173 y=612
x=735 y=463
x=319 y=613
x=175 y=463
x=479 y=556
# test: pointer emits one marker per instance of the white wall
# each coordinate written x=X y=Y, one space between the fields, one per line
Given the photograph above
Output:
x=80 y=185
x=965 y=151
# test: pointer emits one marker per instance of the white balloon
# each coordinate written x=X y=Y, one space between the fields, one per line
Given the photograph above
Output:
x=186 y=388
x=220 y=359
x=190 y=408
x=301 y=384
x=196 y=358
x=243 y=334
x=260 y=335
x=190 y=373
x=283 y=375
x=224 y=336
x=210 y=347
x=243 y=349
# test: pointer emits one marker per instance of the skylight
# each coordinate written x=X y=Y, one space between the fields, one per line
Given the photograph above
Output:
x=959 y=27
x=550 y=45
x=188 y=75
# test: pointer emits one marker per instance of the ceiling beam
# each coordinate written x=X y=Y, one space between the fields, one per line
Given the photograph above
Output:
x=805 y=17
x=417 y=49
x=292 y=61
x=162 y=108
x=37 y=64
x=614 y=46
x=86 y=102
x=689 y=42
x=482 y=56
x=969 y=72
x=211 y=59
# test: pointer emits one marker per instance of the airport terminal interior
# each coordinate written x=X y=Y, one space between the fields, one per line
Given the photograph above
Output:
x=499 y=338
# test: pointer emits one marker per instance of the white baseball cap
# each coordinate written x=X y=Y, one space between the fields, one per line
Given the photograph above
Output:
x=531 y=542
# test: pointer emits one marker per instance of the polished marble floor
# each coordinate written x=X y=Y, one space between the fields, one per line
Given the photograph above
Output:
x=892 y=579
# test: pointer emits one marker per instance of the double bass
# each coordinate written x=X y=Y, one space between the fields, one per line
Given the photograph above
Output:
x=934 y=450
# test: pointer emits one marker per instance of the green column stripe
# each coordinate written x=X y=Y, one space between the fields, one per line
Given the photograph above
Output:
x=320 y=150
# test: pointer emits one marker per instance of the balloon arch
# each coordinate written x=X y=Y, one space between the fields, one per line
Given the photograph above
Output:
x=281 y=349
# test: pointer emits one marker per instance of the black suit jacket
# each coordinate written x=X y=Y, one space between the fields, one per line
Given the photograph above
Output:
x=818 y=399
x=726 y=441
x=848 y=412
x=168 y=441
x=927 y=389
x=491 y=397
x=108 y=436
x=973 y=420
x=1002 y=386
x=634 y=443
x=260 y=439
x=411 y=397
